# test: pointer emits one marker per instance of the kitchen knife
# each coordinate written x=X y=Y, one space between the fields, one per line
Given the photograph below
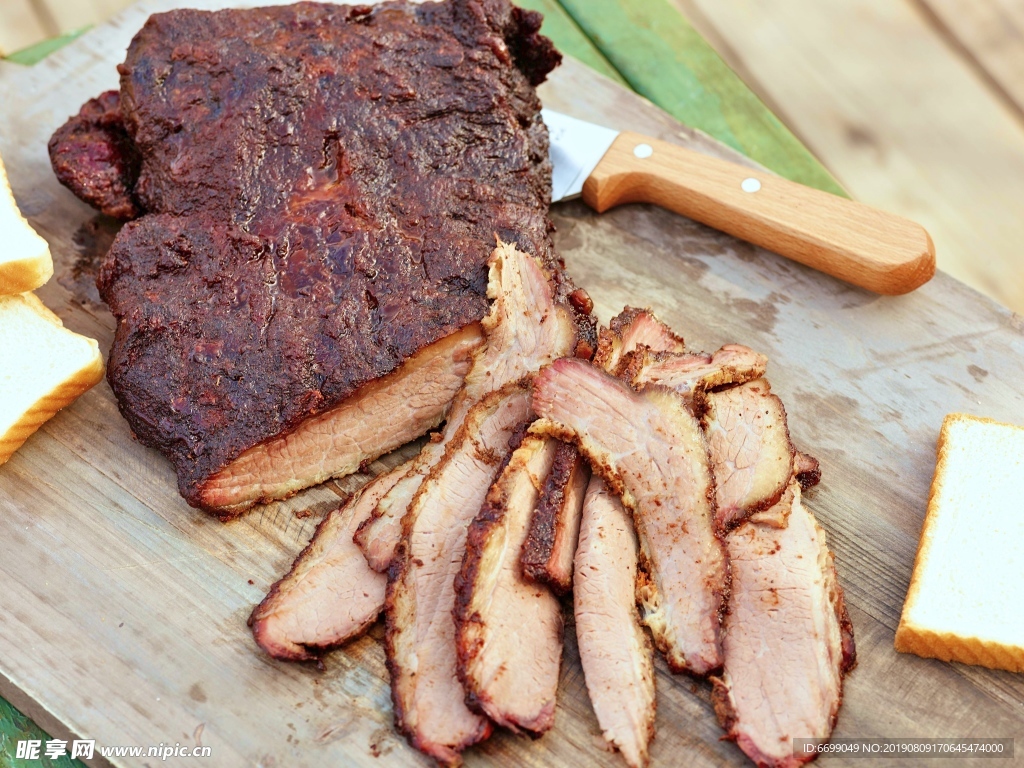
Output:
x=862 y=245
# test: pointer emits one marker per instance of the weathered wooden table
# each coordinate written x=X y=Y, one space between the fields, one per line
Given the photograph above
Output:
x=123 y=609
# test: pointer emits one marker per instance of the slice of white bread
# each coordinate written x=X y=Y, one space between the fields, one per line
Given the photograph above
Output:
x=964 y=600
x=43 y=367
x=25 y=261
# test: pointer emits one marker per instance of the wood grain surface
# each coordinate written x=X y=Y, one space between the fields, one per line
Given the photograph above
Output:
x=879 y=94
x=124 y=610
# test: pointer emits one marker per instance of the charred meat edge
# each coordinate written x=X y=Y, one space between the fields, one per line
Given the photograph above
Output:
x=650 y=595
x=774 y=433
x=404 y=681
x=333 y=532
x=488 y=547
x=694 y=374
x=627 y=331
x=554 y=527
x=548 y=551
x=807 y=470
x=721 y=696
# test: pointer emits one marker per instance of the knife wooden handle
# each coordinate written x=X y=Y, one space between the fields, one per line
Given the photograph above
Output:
x=870 y=248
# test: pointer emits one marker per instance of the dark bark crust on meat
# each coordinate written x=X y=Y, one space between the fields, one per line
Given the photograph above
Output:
x=396 y=573
x=807 y=471
x=93 y=156
x=609 y=356
x=725 y=711
x=540 y=540
x=321 y=206
x=849 y=660
x=644 y=569
x=492 y=513
x=769 y=501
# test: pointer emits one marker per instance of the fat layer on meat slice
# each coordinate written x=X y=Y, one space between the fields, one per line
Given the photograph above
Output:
x=751 y=454
x=378 y=418
x=788 y=639
x=330 y=595
x=615 y=651
x=508 y=631
x=550 y=543
x=694 y=374
x=429 y=699
x=650 y=450
x=525 y=329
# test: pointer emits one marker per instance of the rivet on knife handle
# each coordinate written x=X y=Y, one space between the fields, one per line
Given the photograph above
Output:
x=862 y=245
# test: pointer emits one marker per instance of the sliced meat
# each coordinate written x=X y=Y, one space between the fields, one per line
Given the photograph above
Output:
x=807 y=470
x=330 y=595
x=429 y=700
x=788 y=639
x=650 y=450
x=549 y=548
x=527 y=327
x=751 y=453
x=380 y=533
x=550 y=544
x=380 y=417
x=630 y=329
x=692 y=375
x=615 y=651
x=508 y=632
x=94 y=157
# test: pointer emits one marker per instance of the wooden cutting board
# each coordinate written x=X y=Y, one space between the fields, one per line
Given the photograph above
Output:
x=124 y=609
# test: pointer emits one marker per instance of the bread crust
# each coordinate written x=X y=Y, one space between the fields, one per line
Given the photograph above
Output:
x=930 y=643
x=32 y=270
x=60 y=396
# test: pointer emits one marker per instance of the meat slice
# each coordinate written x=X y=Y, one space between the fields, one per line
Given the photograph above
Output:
x=380 y=417
x=650 y=450
x=694 y=374
x=547 y=552
x=321 y=187
x=549 y=548
x=788 y=639
x=93 y=156
x=429 y=700
x=527 y=326
x=614 y=648
x=330 y=595
x=629 y=330
x=380 y=533
x=751 y=453
x=508 y=632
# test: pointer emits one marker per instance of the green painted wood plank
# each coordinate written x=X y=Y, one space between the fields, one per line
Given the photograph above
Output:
x=36 y=53
x=15 y=727
x=569 y=38
x=665 y=59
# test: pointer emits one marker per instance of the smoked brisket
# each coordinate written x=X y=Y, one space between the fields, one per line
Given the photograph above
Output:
x=321 y=187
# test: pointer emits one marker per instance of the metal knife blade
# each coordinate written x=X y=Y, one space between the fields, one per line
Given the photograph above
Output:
x=576 y=148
